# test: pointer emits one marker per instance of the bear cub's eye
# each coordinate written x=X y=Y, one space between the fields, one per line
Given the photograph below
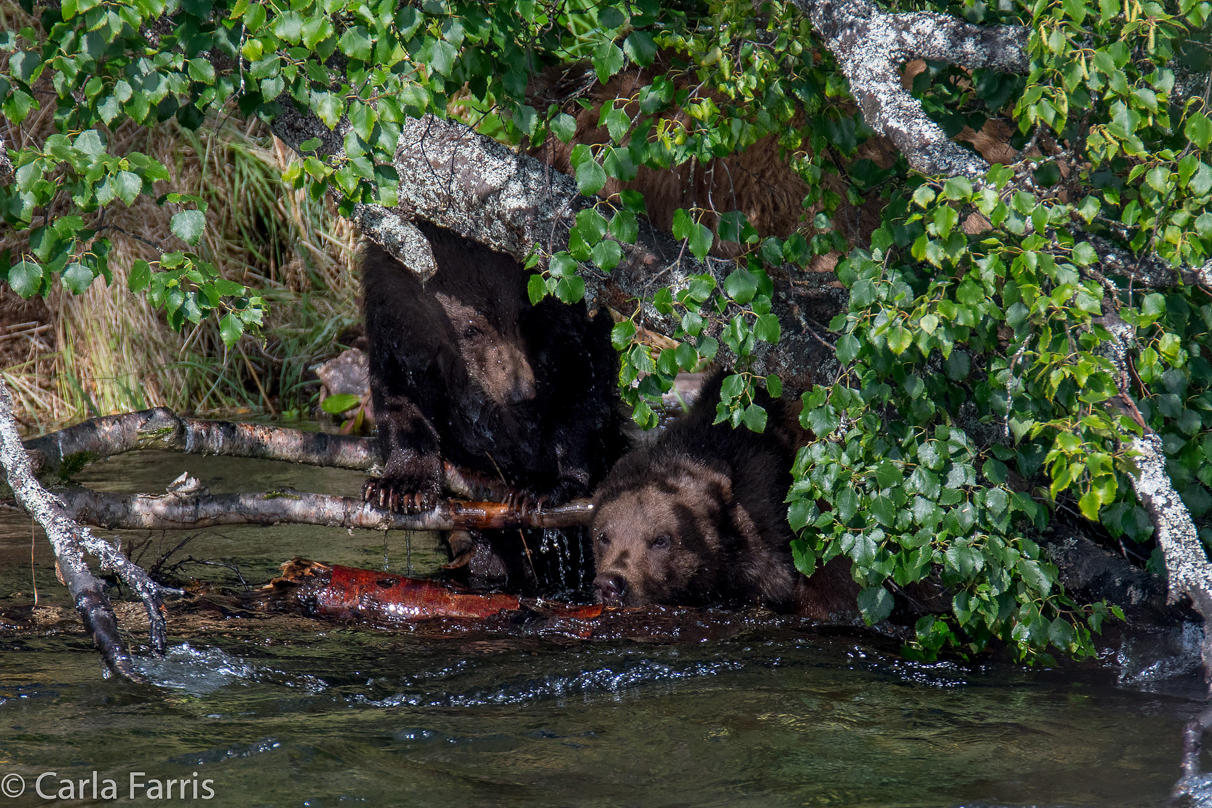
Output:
x=603 y=540
x=471 y=332
x=662 y=541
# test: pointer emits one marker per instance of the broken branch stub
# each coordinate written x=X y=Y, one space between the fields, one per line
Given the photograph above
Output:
x=392 y=231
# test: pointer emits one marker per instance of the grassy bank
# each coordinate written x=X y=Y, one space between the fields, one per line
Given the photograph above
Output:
x=74 y=356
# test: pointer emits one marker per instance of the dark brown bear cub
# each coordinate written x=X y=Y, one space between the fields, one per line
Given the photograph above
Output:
x=698 y=517
x=464 y=368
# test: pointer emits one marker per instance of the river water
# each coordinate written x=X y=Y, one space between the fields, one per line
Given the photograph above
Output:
x=290 y=712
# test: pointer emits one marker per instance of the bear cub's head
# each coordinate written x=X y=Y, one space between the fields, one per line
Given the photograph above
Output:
x=657 y=539
x=492 y=349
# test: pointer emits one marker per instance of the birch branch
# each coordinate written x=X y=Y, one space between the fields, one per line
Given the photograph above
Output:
x=69 y=449
x=191 y=511
x=69 y=542
x=391 y=231
x=1188 y=570
x=871 y=47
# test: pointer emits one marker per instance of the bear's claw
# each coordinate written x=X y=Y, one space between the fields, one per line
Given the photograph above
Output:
x=400 y=495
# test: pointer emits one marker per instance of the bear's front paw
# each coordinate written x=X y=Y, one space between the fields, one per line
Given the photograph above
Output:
x=406 y=494
x=524 y=502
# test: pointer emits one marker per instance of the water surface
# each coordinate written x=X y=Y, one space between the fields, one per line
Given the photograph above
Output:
x=291 y=712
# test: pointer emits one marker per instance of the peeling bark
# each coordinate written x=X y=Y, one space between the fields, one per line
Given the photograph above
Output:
x=198 y=510
x=69 y=542
x=1187 y=567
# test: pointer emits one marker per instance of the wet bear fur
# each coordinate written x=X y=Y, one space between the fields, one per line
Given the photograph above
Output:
x=465 y=368
x=697 y=518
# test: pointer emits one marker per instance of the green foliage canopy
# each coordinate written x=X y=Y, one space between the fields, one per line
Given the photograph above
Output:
x=974 y=390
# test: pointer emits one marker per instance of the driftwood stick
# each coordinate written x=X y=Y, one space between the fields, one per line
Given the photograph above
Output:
x=70 y=542
x=69 y=449
x=191 y=511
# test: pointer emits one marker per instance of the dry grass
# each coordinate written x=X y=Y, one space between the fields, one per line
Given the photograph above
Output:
x=108 y=351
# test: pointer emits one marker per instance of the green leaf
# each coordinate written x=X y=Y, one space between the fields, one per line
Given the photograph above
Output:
x=997 y=500
x=625 y=227
x=640 y=48
x=606 y=254
x=607 y=60
x=875 y=602
x=801 y=553
x=733 y=386
x=1084 y=254
x=564 y=126
x=77 y=277
x=701 y=238
x=339 y=403
x=591 y=224
x=923 y=196
x=202 y=70
x=899 y=339
x=767 y=328
x=686 y=356
x=1076 y=10
x=25 y=277
x=329 y=107
x=188 y=225
x=1090 y=503
x=316 y=29
x=140 y=276
x=590 y=177
x=1158 y=178
x=230 y=329
x=622 y=334
x=127 y=185
x=847 y=349
x=562 y=264
x=536 y=289
x=355 y=43
x=958 y=189
x=741 y=285
x=1060 y=633
x=570 y=289
x=888 y=475
x=442 y=57
x=1199 y=130
x=755 y=418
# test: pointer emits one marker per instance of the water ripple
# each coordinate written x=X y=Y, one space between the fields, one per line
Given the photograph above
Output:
x=614 y=679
